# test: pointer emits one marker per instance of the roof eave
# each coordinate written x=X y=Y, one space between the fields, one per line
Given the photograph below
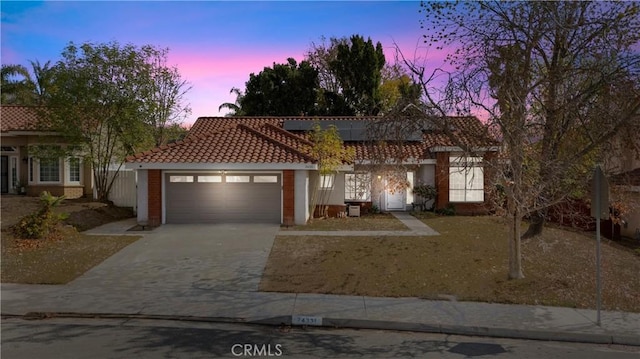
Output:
x=200 y=166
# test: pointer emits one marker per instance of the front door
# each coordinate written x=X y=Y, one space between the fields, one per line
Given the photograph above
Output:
x=395 y=200
x=5 y=174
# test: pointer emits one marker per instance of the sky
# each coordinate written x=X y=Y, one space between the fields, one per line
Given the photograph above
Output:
x=214 y=44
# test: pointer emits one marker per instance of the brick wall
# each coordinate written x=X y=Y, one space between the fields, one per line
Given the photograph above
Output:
x=288 y=202
x=442 y=179
x=154 y=188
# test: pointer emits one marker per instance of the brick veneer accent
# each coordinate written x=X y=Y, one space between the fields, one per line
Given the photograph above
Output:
x=70 y=192
x=288 y=199
x=154 y=189
x=442 y=179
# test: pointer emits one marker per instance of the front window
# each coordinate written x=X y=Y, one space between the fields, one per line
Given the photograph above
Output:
x=49 y=170
x=74 y=169
x=357 y=186
x=326 y=181
x=466 y=179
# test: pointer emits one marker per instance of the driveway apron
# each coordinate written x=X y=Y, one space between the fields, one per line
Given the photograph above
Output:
x=175 y=258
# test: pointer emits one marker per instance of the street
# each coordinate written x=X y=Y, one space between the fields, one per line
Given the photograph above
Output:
x=124 y=338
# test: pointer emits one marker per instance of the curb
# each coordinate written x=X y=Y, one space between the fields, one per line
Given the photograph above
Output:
x=494 y=332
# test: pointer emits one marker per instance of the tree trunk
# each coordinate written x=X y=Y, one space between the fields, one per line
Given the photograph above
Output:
x=515 y=249
x=536 y=225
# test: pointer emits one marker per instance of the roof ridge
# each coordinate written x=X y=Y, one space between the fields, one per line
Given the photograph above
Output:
x=275 y=141
x=185 y=141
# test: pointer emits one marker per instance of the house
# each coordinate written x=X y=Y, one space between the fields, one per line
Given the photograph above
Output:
x=258 y=169
x=29 y=160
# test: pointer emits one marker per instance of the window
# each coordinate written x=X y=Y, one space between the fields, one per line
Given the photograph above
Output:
x=49 y=170
x=466 y=179
x=237 y=179
x=74 y=170
x=14 y=171
x=357 y=186
x=210 y=179
x=178 y=179
x=265 y=179
x=326 y=181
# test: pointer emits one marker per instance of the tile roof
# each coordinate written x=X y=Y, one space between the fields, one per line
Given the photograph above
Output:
x=236 y=144
x=18 y=118
x=263 y=140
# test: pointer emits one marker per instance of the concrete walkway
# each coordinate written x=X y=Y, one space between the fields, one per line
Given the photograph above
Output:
x=171 y=274
x=416 y=228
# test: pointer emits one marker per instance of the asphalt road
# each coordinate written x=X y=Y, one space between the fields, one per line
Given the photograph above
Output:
x=106 y=338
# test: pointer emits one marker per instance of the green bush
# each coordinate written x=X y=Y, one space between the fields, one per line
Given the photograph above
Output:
x=449 y=210
x=42 y=223
x=426 y=193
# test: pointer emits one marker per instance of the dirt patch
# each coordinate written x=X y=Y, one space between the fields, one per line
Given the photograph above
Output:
x=83 y=213
x=56 y=261
x=468 y=261
x=67 y=254
x=369 y=222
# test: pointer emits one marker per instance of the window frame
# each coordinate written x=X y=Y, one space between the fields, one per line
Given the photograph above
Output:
x=357 y=176
x=68 y=171
x=473 y=171
x=322 y=182
x=40 y=171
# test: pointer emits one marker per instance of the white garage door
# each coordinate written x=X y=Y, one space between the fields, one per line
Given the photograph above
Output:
x=223 y=198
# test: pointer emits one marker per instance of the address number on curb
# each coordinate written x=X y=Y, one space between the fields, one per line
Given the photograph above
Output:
x=306 y=320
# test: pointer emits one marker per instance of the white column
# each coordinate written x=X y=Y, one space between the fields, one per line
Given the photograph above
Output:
x=143 y=195
x=301 y=196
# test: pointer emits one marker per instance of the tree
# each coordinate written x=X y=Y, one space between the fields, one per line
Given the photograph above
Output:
x=20 y=87
x=165 y=103
x=102 y=103
x=282 y=90
x=397 y=88
x=329 y=150
x=236 y=106
x=557 y=80
x=15 y=84
x=357 y=67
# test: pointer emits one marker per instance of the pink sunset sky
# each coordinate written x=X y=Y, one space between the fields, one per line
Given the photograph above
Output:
x=215 y=45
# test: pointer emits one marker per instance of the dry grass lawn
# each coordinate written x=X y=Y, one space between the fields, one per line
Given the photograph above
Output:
x=56 y=261
x=369 y=222
x=468 y=260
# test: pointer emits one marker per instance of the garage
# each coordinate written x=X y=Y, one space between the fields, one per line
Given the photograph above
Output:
x=223 y=197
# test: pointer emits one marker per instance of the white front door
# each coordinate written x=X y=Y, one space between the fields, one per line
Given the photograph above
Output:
x=395 y=200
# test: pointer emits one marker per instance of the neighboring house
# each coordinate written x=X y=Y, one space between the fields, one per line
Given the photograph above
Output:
x=258 y=169
x=626 y=182
x=22 y=170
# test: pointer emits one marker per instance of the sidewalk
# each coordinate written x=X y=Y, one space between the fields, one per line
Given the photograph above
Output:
x=413 y=314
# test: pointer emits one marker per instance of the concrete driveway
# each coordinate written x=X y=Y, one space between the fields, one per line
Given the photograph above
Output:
x=174 y=258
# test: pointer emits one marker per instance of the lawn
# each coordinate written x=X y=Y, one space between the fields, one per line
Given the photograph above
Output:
x=368 y=222
x=468 y=261
x=56 y=261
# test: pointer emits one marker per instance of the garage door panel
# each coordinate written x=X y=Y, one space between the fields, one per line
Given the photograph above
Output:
x=213 y=202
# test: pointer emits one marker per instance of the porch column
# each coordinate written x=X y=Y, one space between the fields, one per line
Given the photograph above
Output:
x=143 y=196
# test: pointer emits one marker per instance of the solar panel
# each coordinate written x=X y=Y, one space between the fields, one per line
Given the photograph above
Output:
x=358 y=130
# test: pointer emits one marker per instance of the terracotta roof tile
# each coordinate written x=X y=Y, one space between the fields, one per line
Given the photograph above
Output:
x=263 y=140
x=18 y=118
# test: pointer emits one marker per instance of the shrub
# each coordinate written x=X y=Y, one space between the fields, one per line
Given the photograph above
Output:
x=449 y=210
x=40 y=224
x=426 y=193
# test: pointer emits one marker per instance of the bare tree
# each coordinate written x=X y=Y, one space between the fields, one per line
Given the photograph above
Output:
x=555 y=80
